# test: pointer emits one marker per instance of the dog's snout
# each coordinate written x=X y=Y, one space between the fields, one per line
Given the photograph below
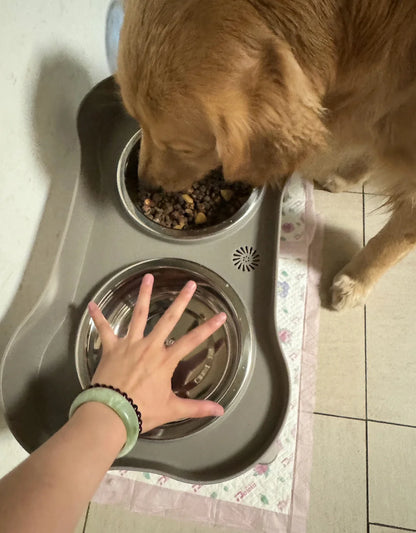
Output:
x=145 y=178
x=147 y=183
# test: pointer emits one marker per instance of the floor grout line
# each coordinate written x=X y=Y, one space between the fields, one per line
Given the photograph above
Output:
x=391 y=423
x=367 y=482
x=329 y=192
x=366 y=423
x=339 y=416
x=363 y=211
x=365 y=420
x=84 y=529
x=393 y=527
x=363 y=191
x=373 y=193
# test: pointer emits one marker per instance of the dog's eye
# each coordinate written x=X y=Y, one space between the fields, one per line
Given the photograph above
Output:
x=195 y=152
x=179 y=150
x=189 y=152
x=185 y=151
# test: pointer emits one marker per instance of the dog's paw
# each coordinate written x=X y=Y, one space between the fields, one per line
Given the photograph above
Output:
x=335 y=183
x=347 y=292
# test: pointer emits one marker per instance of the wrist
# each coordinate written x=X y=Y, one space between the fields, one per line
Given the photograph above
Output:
x=101 y=418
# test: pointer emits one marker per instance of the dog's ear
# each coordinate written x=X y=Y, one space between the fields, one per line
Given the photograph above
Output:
x=273 y=122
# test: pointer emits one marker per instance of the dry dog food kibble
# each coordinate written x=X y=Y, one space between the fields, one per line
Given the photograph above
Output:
x=208 y=202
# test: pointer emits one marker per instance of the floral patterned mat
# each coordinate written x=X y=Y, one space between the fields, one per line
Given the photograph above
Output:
x=269 y=497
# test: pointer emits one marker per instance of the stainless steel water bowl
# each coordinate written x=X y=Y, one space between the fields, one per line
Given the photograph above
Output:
x=129 y=162
x=218 y=370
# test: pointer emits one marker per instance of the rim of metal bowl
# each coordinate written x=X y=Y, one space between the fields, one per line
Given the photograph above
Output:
x=238 y=319
x=243 y=214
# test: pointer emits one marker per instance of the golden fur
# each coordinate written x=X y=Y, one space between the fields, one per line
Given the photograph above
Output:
x=264 y=87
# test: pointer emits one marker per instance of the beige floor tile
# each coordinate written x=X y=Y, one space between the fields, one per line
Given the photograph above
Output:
x=392 y=475
x=381 y=529
x=340 y=384
x=358 y=188
x=391 y=337
x=338 y=483
x=81 y=523
x=355 y=188
x=111 y=519
x=371 y=188
x=341 y=356
x=343 y=237
x=375 y=214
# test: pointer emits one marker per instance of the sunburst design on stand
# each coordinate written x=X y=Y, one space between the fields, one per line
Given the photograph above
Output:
x=246 y=258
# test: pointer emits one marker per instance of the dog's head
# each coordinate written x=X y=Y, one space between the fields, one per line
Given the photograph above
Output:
x=210 y=90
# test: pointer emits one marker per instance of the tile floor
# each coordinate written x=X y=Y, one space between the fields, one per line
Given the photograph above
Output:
x=364 y=458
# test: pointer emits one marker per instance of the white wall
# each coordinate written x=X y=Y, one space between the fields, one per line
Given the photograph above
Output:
x=52 y=52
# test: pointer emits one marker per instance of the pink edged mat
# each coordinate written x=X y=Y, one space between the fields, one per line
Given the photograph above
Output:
x=274 y=497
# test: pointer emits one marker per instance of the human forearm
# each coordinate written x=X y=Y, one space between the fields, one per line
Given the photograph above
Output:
x=48 y=492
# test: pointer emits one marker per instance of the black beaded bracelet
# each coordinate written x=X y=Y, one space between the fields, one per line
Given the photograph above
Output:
x=136 y=409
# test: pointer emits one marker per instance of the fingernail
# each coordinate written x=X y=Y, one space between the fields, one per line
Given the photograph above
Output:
x=219 y=411
x=147 y=279
x=221 y=318
x=92 y=306
x=190 y=286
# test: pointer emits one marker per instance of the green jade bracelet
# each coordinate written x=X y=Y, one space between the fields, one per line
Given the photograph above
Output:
x=120 y=403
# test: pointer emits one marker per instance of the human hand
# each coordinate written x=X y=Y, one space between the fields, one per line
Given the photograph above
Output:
x=142 y=367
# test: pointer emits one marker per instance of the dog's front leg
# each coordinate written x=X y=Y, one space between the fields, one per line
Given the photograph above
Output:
x=353 y=283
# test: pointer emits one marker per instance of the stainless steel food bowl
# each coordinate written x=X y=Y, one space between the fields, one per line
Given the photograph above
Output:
x=129 y=157
x=217 y=370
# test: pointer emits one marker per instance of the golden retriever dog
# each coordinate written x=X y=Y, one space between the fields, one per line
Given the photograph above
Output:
x=266 y=87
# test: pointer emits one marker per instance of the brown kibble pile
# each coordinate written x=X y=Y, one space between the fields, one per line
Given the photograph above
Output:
x=208 y=202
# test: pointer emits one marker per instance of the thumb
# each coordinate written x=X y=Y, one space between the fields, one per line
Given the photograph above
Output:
x=197 y=408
